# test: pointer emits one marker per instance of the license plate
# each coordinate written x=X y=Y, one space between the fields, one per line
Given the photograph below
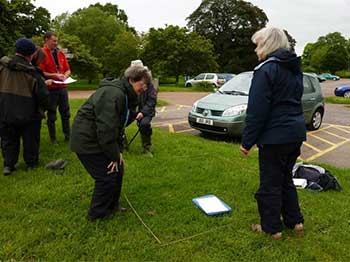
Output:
x=205 y=121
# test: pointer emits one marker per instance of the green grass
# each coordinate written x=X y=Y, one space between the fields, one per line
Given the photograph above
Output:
x=43 y=213
x=182 y=88
x=161 y=103
x=84 y=85
x=337 y=100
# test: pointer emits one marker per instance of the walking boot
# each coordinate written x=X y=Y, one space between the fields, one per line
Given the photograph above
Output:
x=146 y=144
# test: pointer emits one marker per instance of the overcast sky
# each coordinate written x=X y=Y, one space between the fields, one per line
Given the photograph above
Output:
x=305 y=20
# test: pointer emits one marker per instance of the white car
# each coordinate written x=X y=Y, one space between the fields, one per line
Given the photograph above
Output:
x=214 y=79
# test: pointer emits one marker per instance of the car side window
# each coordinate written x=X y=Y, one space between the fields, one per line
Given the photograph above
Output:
x=308 y=88
x=315 y=83
x=210 y=76
x=199 y=77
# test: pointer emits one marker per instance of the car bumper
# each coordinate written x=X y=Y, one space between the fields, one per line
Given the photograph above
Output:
x=231 y=126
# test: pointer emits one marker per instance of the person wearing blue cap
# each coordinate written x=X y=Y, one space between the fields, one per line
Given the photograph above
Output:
x=22 y=93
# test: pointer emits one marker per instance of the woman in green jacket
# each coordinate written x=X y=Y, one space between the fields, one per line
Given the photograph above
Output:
x=97 y=133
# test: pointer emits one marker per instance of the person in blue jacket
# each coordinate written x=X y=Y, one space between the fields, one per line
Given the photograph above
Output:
x=275 y=123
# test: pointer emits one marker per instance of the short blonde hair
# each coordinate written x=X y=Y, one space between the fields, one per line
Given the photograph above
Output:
x=269 y=39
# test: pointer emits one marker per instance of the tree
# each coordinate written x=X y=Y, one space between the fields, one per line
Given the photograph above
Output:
x=291 y=40
x=329 y=53
x=20 y=18
x=174 y=51
x=82 y=63
x=99 y=28
x=120 y=53
x=229 y=24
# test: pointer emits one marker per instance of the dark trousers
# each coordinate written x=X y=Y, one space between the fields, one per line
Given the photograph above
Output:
x=277 y=194
x=105 y=198
x=11 y=135
x=146 y=131
x=58 y=98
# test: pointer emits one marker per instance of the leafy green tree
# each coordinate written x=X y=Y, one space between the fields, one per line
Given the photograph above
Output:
x=94 y=28
x=173 y=51
x=20 y=18
x=120 y=53
x=229 y=24
x=335 y=59
x=82 y=63
x=328 y=54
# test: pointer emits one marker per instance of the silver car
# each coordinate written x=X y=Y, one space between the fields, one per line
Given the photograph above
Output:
x=224 y=111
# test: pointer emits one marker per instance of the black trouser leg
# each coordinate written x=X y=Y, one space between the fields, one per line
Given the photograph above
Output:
x=10 y=144
x=63 y=108
x=146 y=132
x=31 y=143
x=51 y=114
x=290 y=204
x=107 y=189
x=277 y=194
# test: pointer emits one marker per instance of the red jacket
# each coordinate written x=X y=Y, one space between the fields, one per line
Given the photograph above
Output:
x=49 y=66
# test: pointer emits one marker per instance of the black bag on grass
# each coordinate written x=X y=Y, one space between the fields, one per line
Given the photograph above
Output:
x=317 y=177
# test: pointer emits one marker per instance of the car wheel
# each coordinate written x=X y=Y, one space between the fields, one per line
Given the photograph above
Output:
x=334 y=78
x=188 y=85
x=347 y=94
x=316 y=120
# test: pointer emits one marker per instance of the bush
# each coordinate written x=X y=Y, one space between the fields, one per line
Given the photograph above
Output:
x=343 y=73
x=309 y=69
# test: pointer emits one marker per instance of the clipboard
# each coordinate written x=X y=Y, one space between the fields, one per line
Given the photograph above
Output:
x=211 y=205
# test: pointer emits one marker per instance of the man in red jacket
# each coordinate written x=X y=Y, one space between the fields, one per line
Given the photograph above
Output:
x=56 y=67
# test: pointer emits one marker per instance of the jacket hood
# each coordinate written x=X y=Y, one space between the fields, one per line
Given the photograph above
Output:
x=17 y=63
x=288 y=59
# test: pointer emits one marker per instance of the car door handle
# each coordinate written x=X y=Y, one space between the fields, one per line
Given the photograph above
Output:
x=312 y=99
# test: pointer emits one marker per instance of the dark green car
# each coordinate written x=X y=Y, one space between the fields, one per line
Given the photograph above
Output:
x=224 y=111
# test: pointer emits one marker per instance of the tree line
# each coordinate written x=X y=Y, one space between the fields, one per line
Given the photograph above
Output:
x=216 y=39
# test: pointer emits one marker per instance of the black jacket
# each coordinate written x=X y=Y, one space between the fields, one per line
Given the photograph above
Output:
x=275 y=112
x=99 y=124
x=23 y=92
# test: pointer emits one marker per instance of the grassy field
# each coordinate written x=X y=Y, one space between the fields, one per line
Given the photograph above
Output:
x=43 y=213
x=84 y=85
x=337 y=100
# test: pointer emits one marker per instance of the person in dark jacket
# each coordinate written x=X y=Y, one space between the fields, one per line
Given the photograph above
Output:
x=22 y=93
x=275 y=123
x=97 y=136
x=146 y=111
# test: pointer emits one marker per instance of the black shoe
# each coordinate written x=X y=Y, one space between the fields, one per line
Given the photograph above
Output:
x=8 y=170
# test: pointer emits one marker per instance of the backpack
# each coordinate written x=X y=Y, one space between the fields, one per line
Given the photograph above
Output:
x=317 y=177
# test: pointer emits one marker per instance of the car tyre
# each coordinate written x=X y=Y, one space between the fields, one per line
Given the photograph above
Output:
x=316 y=120
x=347 y=94
x=188 y=85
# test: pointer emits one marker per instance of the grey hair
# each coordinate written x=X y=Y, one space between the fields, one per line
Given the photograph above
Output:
x=269 y=39
x=137 y=73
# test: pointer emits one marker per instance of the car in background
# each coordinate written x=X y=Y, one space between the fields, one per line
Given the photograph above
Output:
x=224 y=111
x=328 y=76
x=343 y=91
x=214 y=79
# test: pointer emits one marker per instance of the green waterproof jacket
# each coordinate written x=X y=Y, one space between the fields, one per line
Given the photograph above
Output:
x=99 y=124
